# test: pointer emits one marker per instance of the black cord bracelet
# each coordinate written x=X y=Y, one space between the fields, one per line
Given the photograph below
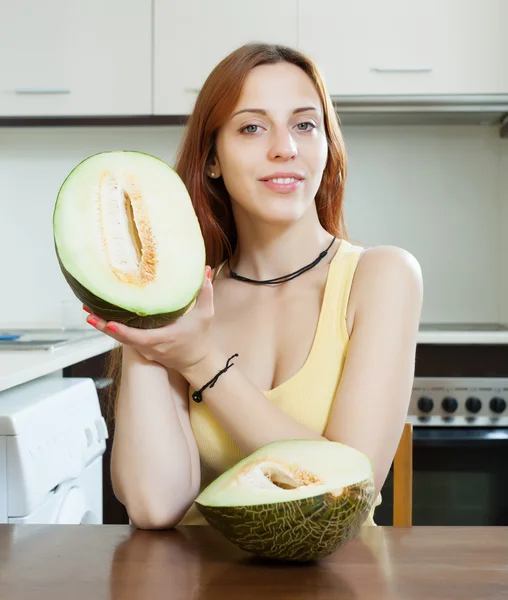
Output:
x=197 y=396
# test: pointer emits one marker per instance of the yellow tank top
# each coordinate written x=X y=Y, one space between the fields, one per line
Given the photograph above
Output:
x=307 y=396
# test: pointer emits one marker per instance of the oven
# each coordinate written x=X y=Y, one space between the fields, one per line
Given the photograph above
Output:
x=459 y=411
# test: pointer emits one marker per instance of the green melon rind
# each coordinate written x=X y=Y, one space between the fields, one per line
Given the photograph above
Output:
x=300 y=530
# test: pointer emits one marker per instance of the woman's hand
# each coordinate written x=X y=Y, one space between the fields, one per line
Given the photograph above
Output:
x=179 y=345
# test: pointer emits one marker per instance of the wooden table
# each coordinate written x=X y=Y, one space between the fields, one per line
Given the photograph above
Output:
x=119 y=562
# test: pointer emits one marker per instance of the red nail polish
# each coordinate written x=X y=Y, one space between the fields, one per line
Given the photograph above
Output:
x=208 y=272
x=112 y=328
x=86 y=309
x=92 y=320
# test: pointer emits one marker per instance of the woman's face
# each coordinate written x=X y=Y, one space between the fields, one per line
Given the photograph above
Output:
x=272 y=151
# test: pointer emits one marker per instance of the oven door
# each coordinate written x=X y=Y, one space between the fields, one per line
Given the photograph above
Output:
x=460 y=477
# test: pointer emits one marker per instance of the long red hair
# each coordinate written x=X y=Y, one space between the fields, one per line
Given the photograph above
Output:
x=214 y=105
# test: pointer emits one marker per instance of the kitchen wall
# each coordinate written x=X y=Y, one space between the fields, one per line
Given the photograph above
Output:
x=441 y=192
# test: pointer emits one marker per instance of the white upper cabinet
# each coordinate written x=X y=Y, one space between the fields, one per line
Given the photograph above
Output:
x=407 y=46
x=75 y=57
x=192 y=36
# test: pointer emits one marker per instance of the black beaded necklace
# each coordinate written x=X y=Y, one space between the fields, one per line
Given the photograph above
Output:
x=282 y=278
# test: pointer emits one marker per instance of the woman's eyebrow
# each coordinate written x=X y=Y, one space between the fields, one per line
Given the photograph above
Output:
x=261 y=111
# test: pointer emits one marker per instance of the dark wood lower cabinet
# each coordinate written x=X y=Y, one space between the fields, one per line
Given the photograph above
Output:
x=114 y=512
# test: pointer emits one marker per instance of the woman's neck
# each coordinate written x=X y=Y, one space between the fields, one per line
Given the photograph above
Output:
x=265 y=252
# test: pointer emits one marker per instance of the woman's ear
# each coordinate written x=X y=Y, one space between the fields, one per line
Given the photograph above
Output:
x=213 y=169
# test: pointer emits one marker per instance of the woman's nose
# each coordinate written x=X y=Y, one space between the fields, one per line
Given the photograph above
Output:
x=283 y=146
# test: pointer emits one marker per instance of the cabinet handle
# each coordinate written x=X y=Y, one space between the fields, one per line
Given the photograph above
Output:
x=402 y=69
x=192 y=90
x=36 y=91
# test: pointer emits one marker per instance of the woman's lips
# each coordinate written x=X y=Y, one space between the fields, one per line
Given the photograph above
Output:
x=282 y=184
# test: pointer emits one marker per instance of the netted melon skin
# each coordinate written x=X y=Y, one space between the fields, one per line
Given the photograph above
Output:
x=297 y=531
x=110 y=312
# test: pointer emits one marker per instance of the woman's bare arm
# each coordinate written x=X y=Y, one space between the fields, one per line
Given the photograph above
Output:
x=371 y=405
x=155 y=460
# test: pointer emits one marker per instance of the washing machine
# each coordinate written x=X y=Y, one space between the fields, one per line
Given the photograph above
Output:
x=52 y=441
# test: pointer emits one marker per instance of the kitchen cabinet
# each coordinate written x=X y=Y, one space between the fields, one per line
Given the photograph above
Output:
x=401 y=47
x=191 y=37
x=80 y=57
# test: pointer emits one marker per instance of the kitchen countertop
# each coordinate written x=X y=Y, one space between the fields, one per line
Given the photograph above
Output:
x=19 y=366
x=463 y=333
x=462 y=337
x=120 y=562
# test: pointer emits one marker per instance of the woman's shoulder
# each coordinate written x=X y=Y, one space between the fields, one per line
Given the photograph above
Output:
x=388 y=257
x=386 y=271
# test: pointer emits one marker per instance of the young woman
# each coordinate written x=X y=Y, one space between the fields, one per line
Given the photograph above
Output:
x=306 y=334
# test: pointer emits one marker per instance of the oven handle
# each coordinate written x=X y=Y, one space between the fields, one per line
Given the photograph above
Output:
x=460 y=436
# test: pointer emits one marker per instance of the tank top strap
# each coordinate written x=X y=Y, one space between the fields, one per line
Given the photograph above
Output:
x=345 y=265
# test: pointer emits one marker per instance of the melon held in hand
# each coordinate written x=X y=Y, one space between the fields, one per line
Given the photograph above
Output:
x=127 y=239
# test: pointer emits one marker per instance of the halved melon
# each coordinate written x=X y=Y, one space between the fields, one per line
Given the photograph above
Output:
x=128 y=240
x=293 y=500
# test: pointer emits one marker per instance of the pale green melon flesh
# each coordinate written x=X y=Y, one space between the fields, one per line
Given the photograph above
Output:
x=336 y=465
x=97 y=228
x=292 y=500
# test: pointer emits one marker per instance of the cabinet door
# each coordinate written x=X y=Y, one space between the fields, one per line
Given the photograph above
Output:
x=192 y=36
x=407 y=47
x=75 y=57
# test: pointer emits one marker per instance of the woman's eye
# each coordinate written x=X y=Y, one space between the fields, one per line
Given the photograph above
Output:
x=306 y=126
x=250 y=128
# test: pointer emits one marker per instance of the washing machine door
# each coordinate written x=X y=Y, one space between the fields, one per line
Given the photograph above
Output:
x=75 y=510
x=66 y=505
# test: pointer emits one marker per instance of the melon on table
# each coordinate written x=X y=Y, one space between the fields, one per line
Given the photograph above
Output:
x=292 y=500
x=127 y=238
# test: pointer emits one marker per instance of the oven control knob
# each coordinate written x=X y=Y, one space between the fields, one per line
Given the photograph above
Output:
x=449 y=404
x=425 y=404
x=473 y=404
x=497 y=404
